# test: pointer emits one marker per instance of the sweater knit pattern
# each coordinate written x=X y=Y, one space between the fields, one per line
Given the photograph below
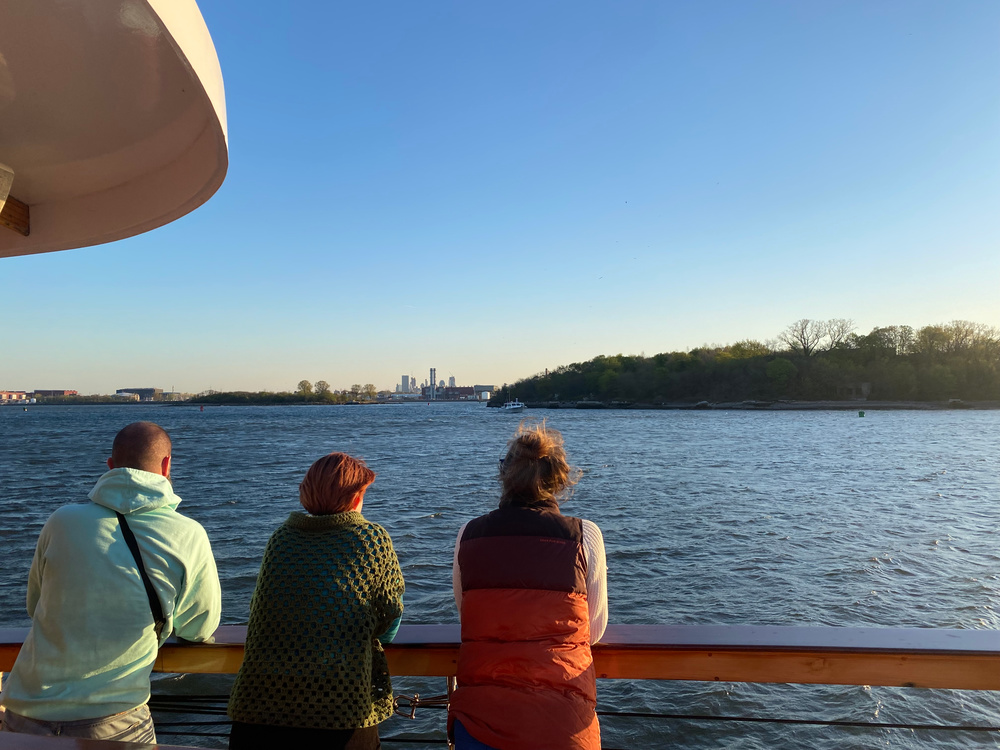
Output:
x=328 y=587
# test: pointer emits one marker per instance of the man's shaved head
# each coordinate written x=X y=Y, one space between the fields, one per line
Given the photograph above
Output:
x=141 y=445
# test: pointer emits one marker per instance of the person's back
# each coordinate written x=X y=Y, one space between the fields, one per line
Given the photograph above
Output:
x=530 y=586
x=328 y=595
x=84 y=667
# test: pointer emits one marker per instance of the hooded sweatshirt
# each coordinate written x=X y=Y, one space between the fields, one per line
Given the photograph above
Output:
x=92 y=643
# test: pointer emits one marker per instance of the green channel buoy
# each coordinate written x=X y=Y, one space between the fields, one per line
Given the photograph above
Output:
x=861 y=413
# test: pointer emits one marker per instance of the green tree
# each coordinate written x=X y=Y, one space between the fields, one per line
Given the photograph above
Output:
x=937 y=383
x=888 y=341
x=322 y=388
x=932 y=340
x=744 y=350
x=305 y=388
x=779 y=372
x=967 y=336
x=369 y=391
x=355 y=391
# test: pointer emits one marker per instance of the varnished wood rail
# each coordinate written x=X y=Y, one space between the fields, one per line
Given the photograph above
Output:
x=901 y=657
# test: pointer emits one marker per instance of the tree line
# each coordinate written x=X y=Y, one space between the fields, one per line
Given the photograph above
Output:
x=810 y=360
x=304 y=393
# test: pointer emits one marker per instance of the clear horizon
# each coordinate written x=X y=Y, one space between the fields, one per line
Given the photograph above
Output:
x=494 y=191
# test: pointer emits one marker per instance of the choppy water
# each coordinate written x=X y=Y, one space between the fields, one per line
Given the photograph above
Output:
x=783 y=518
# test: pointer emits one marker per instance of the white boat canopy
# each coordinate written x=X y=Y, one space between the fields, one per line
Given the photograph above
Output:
x=112 y=120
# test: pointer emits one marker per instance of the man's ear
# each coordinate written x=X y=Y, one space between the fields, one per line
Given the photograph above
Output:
x=165 y=467
x=111 y=463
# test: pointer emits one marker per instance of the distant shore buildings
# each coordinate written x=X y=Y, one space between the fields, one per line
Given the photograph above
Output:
x=122 y=394
x=31 y=397
x=141 y=394
x=151 y=394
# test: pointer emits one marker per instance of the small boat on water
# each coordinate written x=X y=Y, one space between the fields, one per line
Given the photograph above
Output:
x=512 y=407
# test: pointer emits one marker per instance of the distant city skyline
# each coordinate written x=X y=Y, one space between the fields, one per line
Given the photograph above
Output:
x=499 y=190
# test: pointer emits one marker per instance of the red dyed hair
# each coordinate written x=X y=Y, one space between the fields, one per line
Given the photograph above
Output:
x=333 y=482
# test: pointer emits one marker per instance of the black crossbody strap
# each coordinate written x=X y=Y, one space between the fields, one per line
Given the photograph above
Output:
x=154 y=601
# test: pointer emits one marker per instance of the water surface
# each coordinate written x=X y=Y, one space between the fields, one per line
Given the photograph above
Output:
x=776 y=518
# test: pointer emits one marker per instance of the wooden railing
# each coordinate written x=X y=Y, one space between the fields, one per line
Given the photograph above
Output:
x=901 y=657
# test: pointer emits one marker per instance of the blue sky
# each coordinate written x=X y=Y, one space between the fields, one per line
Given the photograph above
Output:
x=493 y=189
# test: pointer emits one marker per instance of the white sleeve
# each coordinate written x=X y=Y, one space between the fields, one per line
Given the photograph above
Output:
x=456 y=574
x=597 y=579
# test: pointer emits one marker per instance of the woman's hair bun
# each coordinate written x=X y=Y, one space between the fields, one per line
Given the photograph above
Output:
x=535 y=472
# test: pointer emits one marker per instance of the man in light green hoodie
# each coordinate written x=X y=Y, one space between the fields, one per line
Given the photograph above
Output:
x=83 y=670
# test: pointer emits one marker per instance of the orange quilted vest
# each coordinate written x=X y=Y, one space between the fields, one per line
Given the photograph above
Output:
x=526 y=677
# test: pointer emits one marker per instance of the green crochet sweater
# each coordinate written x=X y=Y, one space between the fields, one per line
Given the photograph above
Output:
x=328 y=587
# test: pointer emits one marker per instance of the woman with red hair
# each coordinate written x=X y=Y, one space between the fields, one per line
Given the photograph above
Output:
x=329 y=594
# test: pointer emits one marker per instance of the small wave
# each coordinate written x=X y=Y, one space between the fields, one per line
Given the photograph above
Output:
x=631 y=553
x=424 y=566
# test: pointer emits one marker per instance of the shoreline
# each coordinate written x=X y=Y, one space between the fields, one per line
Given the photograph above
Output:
x=782 y=405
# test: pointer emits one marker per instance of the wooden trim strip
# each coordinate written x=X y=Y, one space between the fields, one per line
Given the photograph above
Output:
x=900 y=657
x=16 y=215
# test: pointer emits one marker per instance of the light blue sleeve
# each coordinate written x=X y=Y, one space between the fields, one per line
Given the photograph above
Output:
x=35 y=574
x=387 y=598
x=198 y=608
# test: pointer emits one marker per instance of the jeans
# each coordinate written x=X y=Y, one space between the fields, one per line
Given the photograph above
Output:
x=128 y=726
x=465 y=741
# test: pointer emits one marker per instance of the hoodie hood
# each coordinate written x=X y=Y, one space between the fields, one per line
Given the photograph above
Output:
x=133 y=491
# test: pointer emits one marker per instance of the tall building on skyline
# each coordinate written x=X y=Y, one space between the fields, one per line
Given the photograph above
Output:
x=434 y=373
x=451 y=381
x=405 y=384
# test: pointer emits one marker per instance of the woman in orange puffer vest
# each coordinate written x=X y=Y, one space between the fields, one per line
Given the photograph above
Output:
x=531 y=589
